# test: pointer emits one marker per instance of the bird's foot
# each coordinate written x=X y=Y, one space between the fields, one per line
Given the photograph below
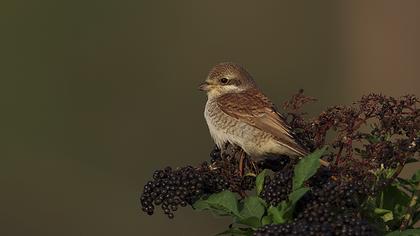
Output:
x=254 y=168
x=251 y=174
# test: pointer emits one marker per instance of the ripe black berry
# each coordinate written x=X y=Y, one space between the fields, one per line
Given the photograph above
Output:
x=172 y=188
x=277 y=188
x=344 y=224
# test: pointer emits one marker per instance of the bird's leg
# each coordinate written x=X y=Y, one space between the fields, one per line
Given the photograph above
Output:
x=254 y=167
x=241 y=163
x=324 y=163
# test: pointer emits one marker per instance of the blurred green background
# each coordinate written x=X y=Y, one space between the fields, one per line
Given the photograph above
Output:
x=96 y=95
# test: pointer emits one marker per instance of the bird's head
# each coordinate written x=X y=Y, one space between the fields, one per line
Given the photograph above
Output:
x=226 y=78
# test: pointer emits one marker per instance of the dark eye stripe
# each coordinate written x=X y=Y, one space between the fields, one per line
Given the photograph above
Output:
x=234 y=82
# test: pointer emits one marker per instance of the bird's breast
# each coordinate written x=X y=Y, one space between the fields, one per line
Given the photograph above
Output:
x=218 y=123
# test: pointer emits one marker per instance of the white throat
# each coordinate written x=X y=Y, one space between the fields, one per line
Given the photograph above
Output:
x=217 y=92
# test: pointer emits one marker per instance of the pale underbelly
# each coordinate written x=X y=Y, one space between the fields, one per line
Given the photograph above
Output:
x=253 y=141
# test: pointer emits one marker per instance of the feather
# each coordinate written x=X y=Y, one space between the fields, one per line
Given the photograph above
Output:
x=254 y=108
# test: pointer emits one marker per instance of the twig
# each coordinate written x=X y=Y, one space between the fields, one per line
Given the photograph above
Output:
x=397 y=172
x=337 y=158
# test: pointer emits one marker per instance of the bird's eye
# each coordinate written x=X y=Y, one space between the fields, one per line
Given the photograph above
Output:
x=224 y=80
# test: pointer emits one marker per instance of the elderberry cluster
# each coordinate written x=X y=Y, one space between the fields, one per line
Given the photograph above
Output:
x=170 y=188
x=333 y=224
x=277 y=188
x=331 y=207
x=337 y=195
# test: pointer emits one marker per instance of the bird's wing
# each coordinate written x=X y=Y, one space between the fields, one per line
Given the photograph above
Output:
x=254 y=108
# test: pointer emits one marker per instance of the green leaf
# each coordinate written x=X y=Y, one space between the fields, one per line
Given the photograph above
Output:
x=404 y=181
x=393 y=199
x=385 y=214
x=253 y=221
x=262 y=202
x=266 y=220
x=297 y=194
x=399 y=211
x=223 y=203
x=252 y=207
x=373 y=138
x=201 y=204
x=307 y=167
x=389 y=172
x=415 y=179
x=408 y=232
x=259 y=182
x=252 y=212
x=278 y=213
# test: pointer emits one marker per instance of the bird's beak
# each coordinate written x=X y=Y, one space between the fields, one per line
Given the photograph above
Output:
x=204 y=86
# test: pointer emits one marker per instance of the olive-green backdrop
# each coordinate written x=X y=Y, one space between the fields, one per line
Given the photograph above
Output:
x=96 y=95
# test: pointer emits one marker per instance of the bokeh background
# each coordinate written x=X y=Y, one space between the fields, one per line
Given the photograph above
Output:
x=96 y=95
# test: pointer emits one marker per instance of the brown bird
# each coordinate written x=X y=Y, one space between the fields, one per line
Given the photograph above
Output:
x=237 y=112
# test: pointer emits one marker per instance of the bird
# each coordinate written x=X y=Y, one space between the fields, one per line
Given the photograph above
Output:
x=237 y=112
